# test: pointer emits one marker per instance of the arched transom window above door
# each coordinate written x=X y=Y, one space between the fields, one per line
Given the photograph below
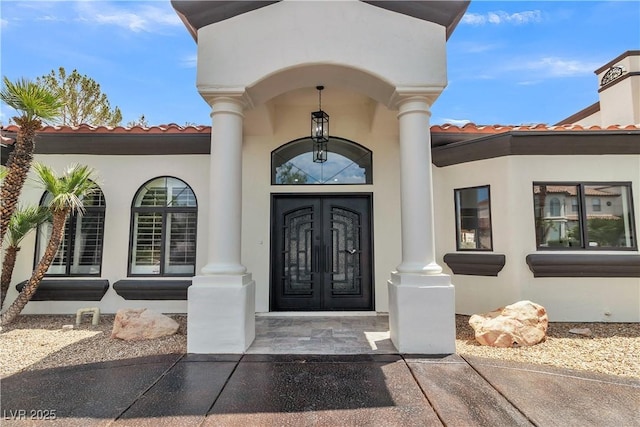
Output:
x=347 y=163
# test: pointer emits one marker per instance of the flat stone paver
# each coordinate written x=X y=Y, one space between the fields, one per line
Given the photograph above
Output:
x=558 y=397
x=84 y=395
x=460 y=396
x=324 y=391
x=183 y=396
x=322 y=335
x=318 y=390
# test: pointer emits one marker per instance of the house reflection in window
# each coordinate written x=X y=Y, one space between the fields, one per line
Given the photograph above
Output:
x=473 y=218
x=347 y=163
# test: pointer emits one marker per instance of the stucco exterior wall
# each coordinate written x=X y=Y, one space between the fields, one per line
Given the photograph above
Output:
x=400 y=51
x=510 y=180
x=594 y=119
x=367 y=58
x=512 y=216
x=620 y=103
x=620 y=100
x=353 y=118
x=120 y=177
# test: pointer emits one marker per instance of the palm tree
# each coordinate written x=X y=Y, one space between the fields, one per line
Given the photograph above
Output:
x=35 y=103
x=67 y=192
x=22 y=222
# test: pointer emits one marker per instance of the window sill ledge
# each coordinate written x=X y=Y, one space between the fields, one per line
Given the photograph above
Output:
x=475 y=264
x=152 y=289
x=583 y=265
x=69 y=289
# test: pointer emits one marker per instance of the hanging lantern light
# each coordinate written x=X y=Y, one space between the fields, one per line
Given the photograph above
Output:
x=320 y=152
x=319 y=122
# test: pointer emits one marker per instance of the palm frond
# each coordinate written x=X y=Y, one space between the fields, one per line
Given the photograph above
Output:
x=23 y=220
x=68 y=189
x=34 y=101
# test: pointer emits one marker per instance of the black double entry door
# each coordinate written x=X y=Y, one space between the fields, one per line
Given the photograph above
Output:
x=321 y=253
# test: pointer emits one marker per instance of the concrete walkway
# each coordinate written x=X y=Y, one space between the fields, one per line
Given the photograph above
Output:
x=310 y=390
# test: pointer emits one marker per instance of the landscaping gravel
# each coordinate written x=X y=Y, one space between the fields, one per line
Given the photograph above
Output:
x=612 y=348
x=39 y=342
x=35 y=342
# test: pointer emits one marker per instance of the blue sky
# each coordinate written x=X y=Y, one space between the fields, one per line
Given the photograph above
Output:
x=509 y=62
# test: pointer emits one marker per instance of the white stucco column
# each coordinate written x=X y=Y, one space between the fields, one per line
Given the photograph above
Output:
x=421 y=298
x=416 y=189
x=225 y=188
x=221 y=300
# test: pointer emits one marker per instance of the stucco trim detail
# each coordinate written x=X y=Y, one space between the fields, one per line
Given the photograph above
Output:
x=583 y=265
x=618 y=80
x=475 y=264
x=151 y=289
x=68 y=290
x=616 y=60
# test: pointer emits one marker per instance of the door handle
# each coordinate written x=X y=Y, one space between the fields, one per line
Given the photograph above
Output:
x=327 y=263
x=316 y=259
x=350 y=251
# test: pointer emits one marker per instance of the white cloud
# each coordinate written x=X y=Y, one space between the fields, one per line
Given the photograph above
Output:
x=476 y=47
x=455 y=122
x=189 y=61
x=532 y=69
x=134 y=16
x=529 y=82
x=139 y=18
x=3 y=23
x=501 y=17
x=48 y=18
x=551 y=66
x=473 y=19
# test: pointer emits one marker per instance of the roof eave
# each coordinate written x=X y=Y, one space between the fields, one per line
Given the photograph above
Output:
x=197 y=14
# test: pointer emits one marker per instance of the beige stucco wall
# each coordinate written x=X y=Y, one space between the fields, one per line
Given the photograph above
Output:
x=594 y=119
x=620 y=100
x=120 y=177
x=352 y=117
x=389 y=50
x=511 y=180
x=387 y=54
x=620 y=103
x=365 y=56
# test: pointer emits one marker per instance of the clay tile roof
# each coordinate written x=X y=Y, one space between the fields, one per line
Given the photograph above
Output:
x=473 y=128
x=84 y=128
x=173 y=128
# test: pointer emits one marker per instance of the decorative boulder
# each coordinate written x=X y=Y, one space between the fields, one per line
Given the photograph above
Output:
x=523 y=323
x=134 y=324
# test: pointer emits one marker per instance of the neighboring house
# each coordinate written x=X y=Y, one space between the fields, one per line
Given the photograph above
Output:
x=242 y=216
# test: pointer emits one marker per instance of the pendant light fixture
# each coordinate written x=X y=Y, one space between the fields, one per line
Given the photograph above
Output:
x=319 y=130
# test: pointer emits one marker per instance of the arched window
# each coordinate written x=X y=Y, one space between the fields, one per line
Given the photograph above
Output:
x=80 y=252
x=347 y=163
x=554 y=207
x=163 y=229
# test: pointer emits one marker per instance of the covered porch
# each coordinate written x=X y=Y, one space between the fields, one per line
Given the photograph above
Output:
x=254 y=81
x=322 y=334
